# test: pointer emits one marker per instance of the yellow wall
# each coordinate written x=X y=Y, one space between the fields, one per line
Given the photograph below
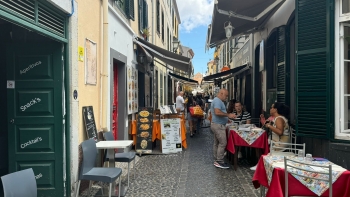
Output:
x=89 y=26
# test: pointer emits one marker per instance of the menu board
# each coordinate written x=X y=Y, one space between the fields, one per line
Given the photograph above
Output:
x=89 y=122
x=171 y=135
x=144 y=130
x=167 y=109
x=132 y=93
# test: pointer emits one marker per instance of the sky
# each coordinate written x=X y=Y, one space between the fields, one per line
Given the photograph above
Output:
x=195 y=17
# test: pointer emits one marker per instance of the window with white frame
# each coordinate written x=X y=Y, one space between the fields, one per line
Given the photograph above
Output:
x=342 y=70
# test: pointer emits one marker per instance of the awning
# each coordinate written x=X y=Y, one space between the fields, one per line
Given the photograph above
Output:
x=227 y=74
x=177 y=61
x=184 y=79
x=246 y=17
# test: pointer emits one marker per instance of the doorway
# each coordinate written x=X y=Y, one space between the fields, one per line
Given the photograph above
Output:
x=32 y=68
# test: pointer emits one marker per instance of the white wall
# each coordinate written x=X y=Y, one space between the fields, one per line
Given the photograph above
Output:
x=74 y=104
x=64 y=5
x=280 y=17
x=120 y=38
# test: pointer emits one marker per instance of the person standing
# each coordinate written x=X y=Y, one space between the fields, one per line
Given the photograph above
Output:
x=180 y=103
x=218 y=127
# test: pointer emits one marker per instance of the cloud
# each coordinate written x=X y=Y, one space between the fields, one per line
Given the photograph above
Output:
x=195 y=13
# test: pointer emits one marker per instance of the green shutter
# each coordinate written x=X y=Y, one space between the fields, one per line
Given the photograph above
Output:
x=140 y=15
x=145 y=14
x=314 y=68
x=281 y=64
x=129 y=9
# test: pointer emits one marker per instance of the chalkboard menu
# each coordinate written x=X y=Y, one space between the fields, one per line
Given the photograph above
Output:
x=144 y=130
x=89 y=122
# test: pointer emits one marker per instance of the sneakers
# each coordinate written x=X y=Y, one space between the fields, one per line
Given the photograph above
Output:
x=253 y=168
x=239 y=154
x=221 y=165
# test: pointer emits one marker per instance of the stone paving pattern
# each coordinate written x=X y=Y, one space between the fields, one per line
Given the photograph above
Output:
x=188 y=173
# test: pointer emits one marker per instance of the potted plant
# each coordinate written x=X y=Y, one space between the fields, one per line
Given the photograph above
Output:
x=145 y=33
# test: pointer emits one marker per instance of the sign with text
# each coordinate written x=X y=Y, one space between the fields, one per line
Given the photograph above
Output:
x=144 y=130
x=89 y=122
x=242 y=56
x=171 y=135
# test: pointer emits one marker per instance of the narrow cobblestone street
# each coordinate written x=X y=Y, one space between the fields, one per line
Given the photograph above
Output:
x=190 y=173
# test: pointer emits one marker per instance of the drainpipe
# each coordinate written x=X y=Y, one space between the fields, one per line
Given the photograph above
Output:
x=104 y=68
x=152 y=22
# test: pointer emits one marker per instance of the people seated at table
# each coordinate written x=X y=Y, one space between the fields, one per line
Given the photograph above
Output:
x=279 y=127
x=240 y=116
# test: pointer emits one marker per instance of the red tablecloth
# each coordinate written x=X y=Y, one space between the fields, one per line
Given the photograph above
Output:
x=235 y=140
x=341 y=187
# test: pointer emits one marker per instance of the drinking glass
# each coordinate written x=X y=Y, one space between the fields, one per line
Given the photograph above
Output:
x=308 y=157
x=300 y=153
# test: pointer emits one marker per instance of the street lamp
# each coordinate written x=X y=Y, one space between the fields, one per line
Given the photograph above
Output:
x=176 y=44
x=228 y=29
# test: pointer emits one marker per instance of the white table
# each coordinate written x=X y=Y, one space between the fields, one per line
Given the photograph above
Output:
x=110 y=146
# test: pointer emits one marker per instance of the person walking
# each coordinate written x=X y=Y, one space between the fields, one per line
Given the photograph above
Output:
x=180 y=103
x=218 y=127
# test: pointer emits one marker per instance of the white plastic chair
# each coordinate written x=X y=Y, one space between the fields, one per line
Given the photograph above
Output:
x=287 y=170
x=288 y=149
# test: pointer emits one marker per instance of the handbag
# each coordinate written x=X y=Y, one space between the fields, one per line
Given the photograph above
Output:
x=196 y=112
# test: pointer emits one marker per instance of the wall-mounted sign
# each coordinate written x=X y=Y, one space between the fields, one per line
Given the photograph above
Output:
x=91 y=62
x=81 y=54
x=242 y=57
x=10 y=84
x=89 y=122
x=132 y=93
x=261 y=56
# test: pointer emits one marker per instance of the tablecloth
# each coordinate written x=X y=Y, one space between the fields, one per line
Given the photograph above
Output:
x=341 y=187
x=156 y=131
x=235 y=140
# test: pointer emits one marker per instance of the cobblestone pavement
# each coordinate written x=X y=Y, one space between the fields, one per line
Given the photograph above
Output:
x=188 y=173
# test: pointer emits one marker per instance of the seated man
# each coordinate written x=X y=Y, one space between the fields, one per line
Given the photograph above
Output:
x=240 y=115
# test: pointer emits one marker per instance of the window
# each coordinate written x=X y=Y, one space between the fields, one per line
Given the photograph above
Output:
x=168 y=39
x=143 y=15
x=165 y=88
x=127 y=7
x=172 y=17
x=163 y=27
x=345 y=7
x=158 y=16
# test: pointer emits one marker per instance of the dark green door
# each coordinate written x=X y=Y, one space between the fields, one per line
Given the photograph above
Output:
x=35 y=132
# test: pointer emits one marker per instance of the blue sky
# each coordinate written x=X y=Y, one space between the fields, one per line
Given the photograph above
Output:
x=196 y=41
x=195 y=17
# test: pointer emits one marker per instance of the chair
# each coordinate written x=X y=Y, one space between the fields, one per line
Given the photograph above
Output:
x=287 y=170
x=291 y=148
x=89 y=172
x=21 y=183
x=122 y=157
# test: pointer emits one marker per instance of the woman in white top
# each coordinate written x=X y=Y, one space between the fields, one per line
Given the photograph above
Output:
x=279 y=127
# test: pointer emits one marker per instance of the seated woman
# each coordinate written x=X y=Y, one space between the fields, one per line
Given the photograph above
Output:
x=279 y=127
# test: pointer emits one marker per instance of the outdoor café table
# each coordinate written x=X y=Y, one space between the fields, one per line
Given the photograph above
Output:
x=234 y=139
x=110 y=146
x=341 y=186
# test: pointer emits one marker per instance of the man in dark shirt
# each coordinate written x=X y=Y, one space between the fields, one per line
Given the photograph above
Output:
x=240 y=115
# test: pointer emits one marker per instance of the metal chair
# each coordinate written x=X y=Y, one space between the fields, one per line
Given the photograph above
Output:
x=21 y=183
x=287 y=170
x=91 y=173
x=122 y=157
x=288 y=149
